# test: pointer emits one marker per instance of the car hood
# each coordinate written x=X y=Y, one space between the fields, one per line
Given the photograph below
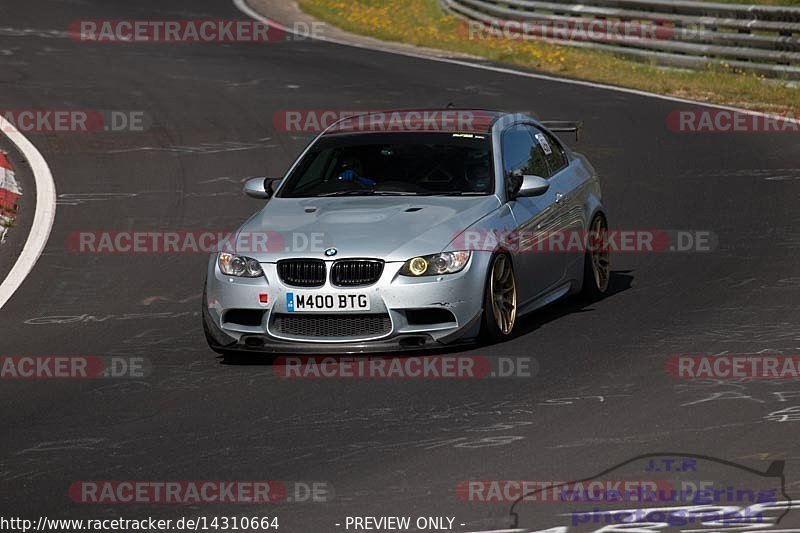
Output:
x=388 y=228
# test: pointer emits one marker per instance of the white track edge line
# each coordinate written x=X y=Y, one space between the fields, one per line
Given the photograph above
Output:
x=249 y=11
x=43 y=217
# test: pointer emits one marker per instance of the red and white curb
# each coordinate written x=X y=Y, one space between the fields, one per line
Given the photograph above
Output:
x=43 y=216
x=10 y=192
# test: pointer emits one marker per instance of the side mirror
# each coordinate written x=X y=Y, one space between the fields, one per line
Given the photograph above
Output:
x=260 y=187
x=533 y=186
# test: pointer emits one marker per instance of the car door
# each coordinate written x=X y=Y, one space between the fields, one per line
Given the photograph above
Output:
x=537 y=268
x=568 y=186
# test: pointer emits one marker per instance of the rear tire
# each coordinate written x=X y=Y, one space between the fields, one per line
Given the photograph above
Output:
x=597 y=262
x=499 y=301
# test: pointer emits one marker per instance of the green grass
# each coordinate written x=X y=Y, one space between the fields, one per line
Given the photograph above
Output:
x=423 y=23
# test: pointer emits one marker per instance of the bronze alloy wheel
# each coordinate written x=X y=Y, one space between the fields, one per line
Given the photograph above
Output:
x=599 y=254
x=503 y=294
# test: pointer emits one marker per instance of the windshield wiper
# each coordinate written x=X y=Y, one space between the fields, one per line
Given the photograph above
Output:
x=367 y=192
x=356 y=192
x=462 y=193
x=351 y=192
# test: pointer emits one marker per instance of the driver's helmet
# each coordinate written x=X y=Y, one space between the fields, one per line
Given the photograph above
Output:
x=353 y=164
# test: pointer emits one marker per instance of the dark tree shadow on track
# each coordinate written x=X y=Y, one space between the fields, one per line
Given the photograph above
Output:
x=260 y=359
x=247 y=359
x=619 y=281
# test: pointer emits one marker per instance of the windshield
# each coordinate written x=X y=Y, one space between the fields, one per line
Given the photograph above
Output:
x=419 y=164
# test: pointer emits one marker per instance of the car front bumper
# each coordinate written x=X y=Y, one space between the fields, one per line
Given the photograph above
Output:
x=405 y=313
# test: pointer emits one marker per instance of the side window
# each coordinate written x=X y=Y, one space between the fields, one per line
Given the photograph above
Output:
x=522 y=154
x=553 y=151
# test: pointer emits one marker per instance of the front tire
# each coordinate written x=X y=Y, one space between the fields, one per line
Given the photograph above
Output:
x=597 y=262
x=500 y=300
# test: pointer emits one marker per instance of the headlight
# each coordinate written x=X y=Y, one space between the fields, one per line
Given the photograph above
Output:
x=433 y=265
x=239 y=265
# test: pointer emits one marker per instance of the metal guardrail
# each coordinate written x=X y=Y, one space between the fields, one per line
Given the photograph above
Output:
x=709 y=9
x=761 y=39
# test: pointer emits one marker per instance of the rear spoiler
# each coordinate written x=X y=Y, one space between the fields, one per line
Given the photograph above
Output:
x=564 y=126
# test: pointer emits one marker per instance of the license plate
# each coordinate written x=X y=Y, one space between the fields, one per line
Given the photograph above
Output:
x=310 y=302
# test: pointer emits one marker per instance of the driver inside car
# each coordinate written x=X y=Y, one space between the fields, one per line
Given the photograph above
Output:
x=352 y=171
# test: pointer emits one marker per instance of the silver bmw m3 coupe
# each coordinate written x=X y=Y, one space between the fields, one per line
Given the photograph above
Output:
x=409 y=229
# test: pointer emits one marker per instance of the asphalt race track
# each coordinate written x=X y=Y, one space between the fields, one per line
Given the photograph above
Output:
x=381 y=447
